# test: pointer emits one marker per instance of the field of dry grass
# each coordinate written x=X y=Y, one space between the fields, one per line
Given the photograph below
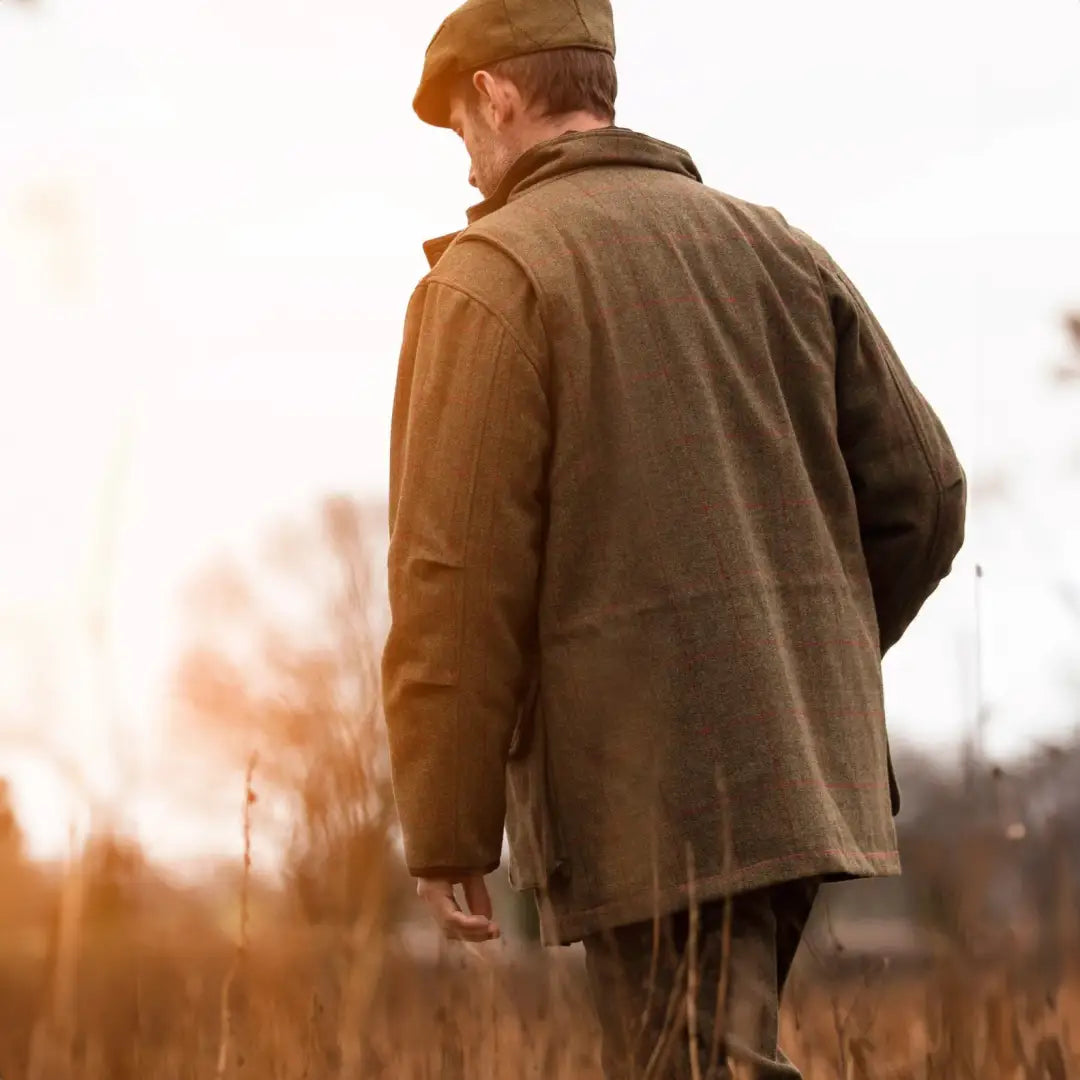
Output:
x=160 y=997
x=112 y=970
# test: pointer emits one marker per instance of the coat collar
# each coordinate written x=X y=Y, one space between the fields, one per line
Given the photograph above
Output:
x=568 y=153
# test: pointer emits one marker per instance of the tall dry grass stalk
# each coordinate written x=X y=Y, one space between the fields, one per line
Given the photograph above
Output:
x=53 y=1035
x=692 y=967
x=226 y=1033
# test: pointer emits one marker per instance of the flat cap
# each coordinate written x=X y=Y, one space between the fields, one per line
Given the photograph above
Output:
x=486 y=31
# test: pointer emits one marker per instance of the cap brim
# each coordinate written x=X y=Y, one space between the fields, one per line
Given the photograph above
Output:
x=432 y=103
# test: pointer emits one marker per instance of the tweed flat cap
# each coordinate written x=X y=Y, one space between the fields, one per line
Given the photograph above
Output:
x=486 y=31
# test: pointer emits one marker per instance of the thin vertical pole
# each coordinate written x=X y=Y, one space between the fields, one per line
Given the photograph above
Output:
x=980 y=699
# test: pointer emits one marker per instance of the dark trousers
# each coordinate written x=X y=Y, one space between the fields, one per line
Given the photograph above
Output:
x=639 y=980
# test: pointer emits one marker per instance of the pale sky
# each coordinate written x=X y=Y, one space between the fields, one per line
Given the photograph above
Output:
x=210 y=223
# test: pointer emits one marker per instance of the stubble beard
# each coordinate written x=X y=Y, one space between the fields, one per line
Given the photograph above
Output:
x=491 y=164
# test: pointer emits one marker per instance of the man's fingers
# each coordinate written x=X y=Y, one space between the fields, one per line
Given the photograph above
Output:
x=439 y=897
x=455 y=923
x=477 y=897
x=470 y=928
x=478 y=902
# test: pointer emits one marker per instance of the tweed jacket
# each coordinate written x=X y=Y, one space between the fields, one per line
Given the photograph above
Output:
x=661 y=497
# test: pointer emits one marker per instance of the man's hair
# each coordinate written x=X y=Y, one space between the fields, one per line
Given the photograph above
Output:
x=557 y=82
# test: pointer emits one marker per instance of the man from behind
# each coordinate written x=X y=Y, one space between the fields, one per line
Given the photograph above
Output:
x=662 y=496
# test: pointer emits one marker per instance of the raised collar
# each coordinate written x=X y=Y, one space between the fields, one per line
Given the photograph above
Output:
x=568 y=153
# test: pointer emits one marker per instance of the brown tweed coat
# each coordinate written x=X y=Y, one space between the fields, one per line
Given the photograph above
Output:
x=661 y=496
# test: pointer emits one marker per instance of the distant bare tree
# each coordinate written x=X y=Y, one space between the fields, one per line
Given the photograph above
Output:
x=286 y=665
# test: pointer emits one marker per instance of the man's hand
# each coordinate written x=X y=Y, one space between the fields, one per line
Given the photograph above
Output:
x=476 y=925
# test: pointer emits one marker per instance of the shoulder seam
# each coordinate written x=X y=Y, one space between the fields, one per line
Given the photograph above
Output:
x=807 y=243
x=484 y=236
x=464 y=290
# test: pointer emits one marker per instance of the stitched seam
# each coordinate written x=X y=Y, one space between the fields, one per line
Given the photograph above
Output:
x=501 y=246
x=498 y=316
x=465 y=605
x=799 y=239
x=890 y=358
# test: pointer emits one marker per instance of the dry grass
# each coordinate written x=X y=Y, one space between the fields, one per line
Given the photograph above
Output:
x=142 y=998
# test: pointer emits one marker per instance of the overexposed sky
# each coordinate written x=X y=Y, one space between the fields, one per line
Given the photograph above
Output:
x=210 y=223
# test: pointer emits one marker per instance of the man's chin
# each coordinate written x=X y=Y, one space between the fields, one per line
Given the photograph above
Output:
x=488 y=185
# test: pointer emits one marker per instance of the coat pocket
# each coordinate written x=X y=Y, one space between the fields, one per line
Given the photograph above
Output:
x=535 y=850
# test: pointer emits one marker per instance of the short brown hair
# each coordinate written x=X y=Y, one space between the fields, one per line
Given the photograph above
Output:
x=560 y=81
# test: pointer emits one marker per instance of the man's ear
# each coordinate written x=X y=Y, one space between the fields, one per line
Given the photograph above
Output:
x=496 y=98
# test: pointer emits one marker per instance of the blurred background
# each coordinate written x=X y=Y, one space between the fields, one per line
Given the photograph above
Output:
x=211 y=217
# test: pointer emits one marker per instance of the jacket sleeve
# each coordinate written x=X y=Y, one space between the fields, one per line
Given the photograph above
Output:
x=909 y=487
x=469 y=442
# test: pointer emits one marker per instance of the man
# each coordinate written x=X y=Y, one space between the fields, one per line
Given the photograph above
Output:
x=662 y=496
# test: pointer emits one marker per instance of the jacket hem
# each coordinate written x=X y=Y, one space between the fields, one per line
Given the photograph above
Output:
x=565 y=925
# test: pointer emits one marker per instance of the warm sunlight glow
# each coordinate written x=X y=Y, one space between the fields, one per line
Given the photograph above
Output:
x=202 y=279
